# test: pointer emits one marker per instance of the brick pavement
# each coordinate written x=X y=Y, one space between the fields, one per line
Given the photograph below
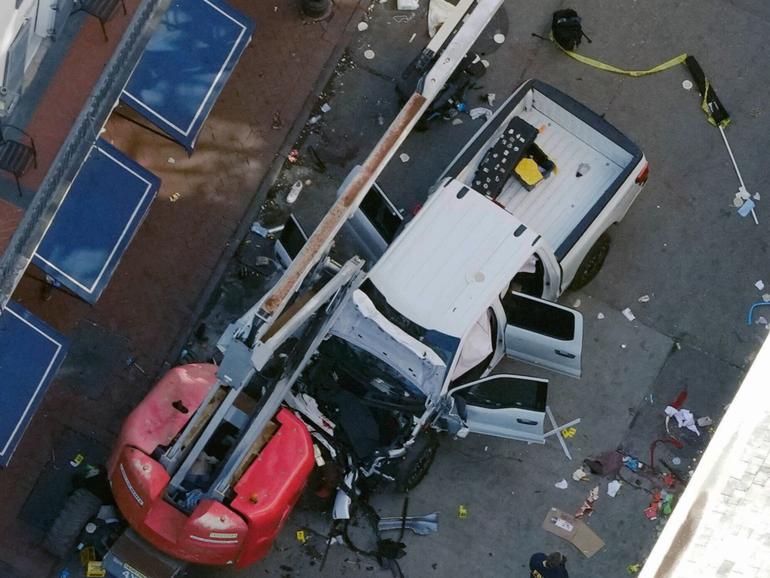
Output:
x=166 y=268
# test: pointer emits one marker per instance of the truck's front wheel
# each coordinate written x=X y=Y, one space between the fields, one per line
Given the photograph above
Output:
x=417 y=461
x=592 y=263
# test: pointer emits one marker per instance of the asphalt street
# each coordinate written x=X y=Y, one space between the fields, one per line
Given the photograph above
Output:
x=682 y=244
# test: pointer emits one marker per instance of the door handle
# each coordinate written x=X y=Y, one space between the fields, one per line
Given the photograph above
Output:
x=566 y=354
x=526 y=421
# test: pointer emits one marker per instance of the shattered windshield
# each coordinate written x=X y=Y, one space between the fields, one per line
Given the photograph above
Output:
x=444 y=345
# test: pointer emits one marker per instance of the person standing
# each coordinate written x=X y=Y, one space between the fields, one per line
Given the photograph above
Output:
x=548 y=566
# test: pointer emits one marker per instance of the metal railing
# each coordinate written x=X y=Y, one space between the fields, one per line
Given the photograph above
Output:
x=102 y=100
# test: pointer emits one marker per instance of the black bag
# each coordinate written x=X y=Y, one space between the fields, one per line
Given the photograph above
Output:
x=566 y=28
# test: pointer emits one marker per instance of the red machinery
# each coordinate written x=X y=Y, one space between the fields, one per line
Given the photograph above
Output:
x=238 y=530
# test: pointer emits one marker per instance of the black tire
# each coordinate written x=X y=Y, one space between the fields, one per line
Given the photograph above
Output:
x=592 y=263
x=415 y=464
x=79 y=508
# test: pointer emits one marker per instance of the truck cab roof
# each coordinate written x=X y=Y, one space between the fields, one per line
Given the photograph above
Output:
x=455 y=256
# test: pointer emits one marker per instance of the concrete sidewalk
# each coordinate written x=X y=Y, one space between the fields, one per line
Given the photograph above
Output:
x=120 y=345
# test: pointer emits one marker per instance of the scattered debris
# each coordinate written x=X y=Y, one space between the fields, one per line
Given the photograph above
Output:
x=760 y=284
x=404 y=157
x=762 y=320
x=462 y=511
x=644 y=299
x=420 y=525
x=576 y=304
x=325 y=107
x=77 y=460
x=676 y=460
x=499 y=38
x=747 y=208
x=171 y=160
x=456 y=121
x=296 y=189
x=583 y=169
x=579 y=475
x=277 y=122
x=562 y=485
x=412 y=37
x=369 y=54
x=407 y=4
x=175 y=197
x=687 y=84
x=623 y=346
x=635 y=568
x=587 y=507
x=613 y=487
x=766 y=297
x=575 y=531
x=301 y=538
x=293 y=156
x=314 y=119
x=684 y=418
x=568 y=432
x=606 y=464
x=490 y=98
x=600 y=315
x=631 y=463
x=480 y=111
x=362 y=26
x=751 y=311
x=628 y=314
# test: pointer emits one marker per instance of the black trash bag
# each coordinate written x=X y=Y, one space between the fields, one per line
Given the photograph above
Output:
x=567 y=29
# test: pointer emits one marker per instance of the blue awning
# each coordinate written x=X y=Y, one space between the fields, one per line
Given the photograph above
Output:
x=185 y=66
x=96 y=221
x=30 y=354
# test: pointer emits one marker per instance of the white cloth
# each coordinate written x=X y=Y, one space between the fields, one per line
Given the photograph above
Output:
x=684 y=418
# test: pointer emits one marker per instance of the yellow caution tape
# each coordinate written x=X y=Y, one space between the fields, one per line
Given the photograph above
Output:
x=610 y=68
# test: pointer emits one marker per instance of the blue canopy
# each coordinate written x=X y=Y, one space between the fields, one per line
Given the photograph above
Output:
x=30 y=354
x=96 y=221
x=185 y=66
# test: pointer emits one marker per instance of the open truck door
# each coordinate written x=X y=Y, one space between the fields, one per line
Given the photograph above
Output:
x=507 y=406
x=543 y=333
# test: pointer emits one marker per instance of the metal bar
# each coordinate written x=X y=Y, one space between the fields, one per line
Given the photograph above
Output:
x=737 y=170
x=176 y=481
x=219 y=489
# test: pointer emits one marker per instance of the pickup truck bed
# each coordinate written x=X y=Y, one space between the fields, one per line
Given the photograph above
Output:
x=562 y=206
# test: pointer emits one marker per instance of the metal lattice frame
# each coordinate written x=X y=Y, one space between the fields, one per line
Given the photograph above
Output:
x=83 y=134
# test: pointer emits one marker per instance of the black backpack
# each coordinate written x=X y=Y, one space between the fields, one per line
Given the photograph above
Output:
x=566 y=28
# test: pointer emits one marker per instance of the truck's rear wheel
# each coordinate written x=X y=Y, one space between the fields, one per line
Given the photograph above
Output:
x=592 y=263
x=80 y=507
x=417 y=461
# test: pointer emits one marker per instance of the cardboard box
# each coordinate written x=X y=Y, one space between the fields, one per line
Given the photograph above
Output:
x=574 y=530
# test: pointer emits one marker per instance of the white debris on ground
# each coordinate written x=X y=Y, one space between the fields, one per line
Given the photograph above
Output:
x=369 y=54
x=404 y=157
x=407 y=4
x=759 y=285
x=562 y=485
x=499 y=38
x=325 y=107
x=480 y=111
x=600 y=315
x=362 y=26
x=612 y=488
x=628 y=314
x=644 y=299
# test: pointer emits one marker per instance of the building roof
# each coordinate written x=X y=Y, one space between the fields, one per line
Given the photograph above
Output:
x=446 y=267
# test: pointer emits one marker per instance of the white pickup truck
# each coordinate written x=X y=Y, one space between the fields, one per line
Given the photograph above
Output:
x=470 y=280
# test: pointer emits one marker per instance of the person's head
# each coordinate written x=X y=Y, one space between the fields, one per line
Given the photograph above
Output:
x=556 y=560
